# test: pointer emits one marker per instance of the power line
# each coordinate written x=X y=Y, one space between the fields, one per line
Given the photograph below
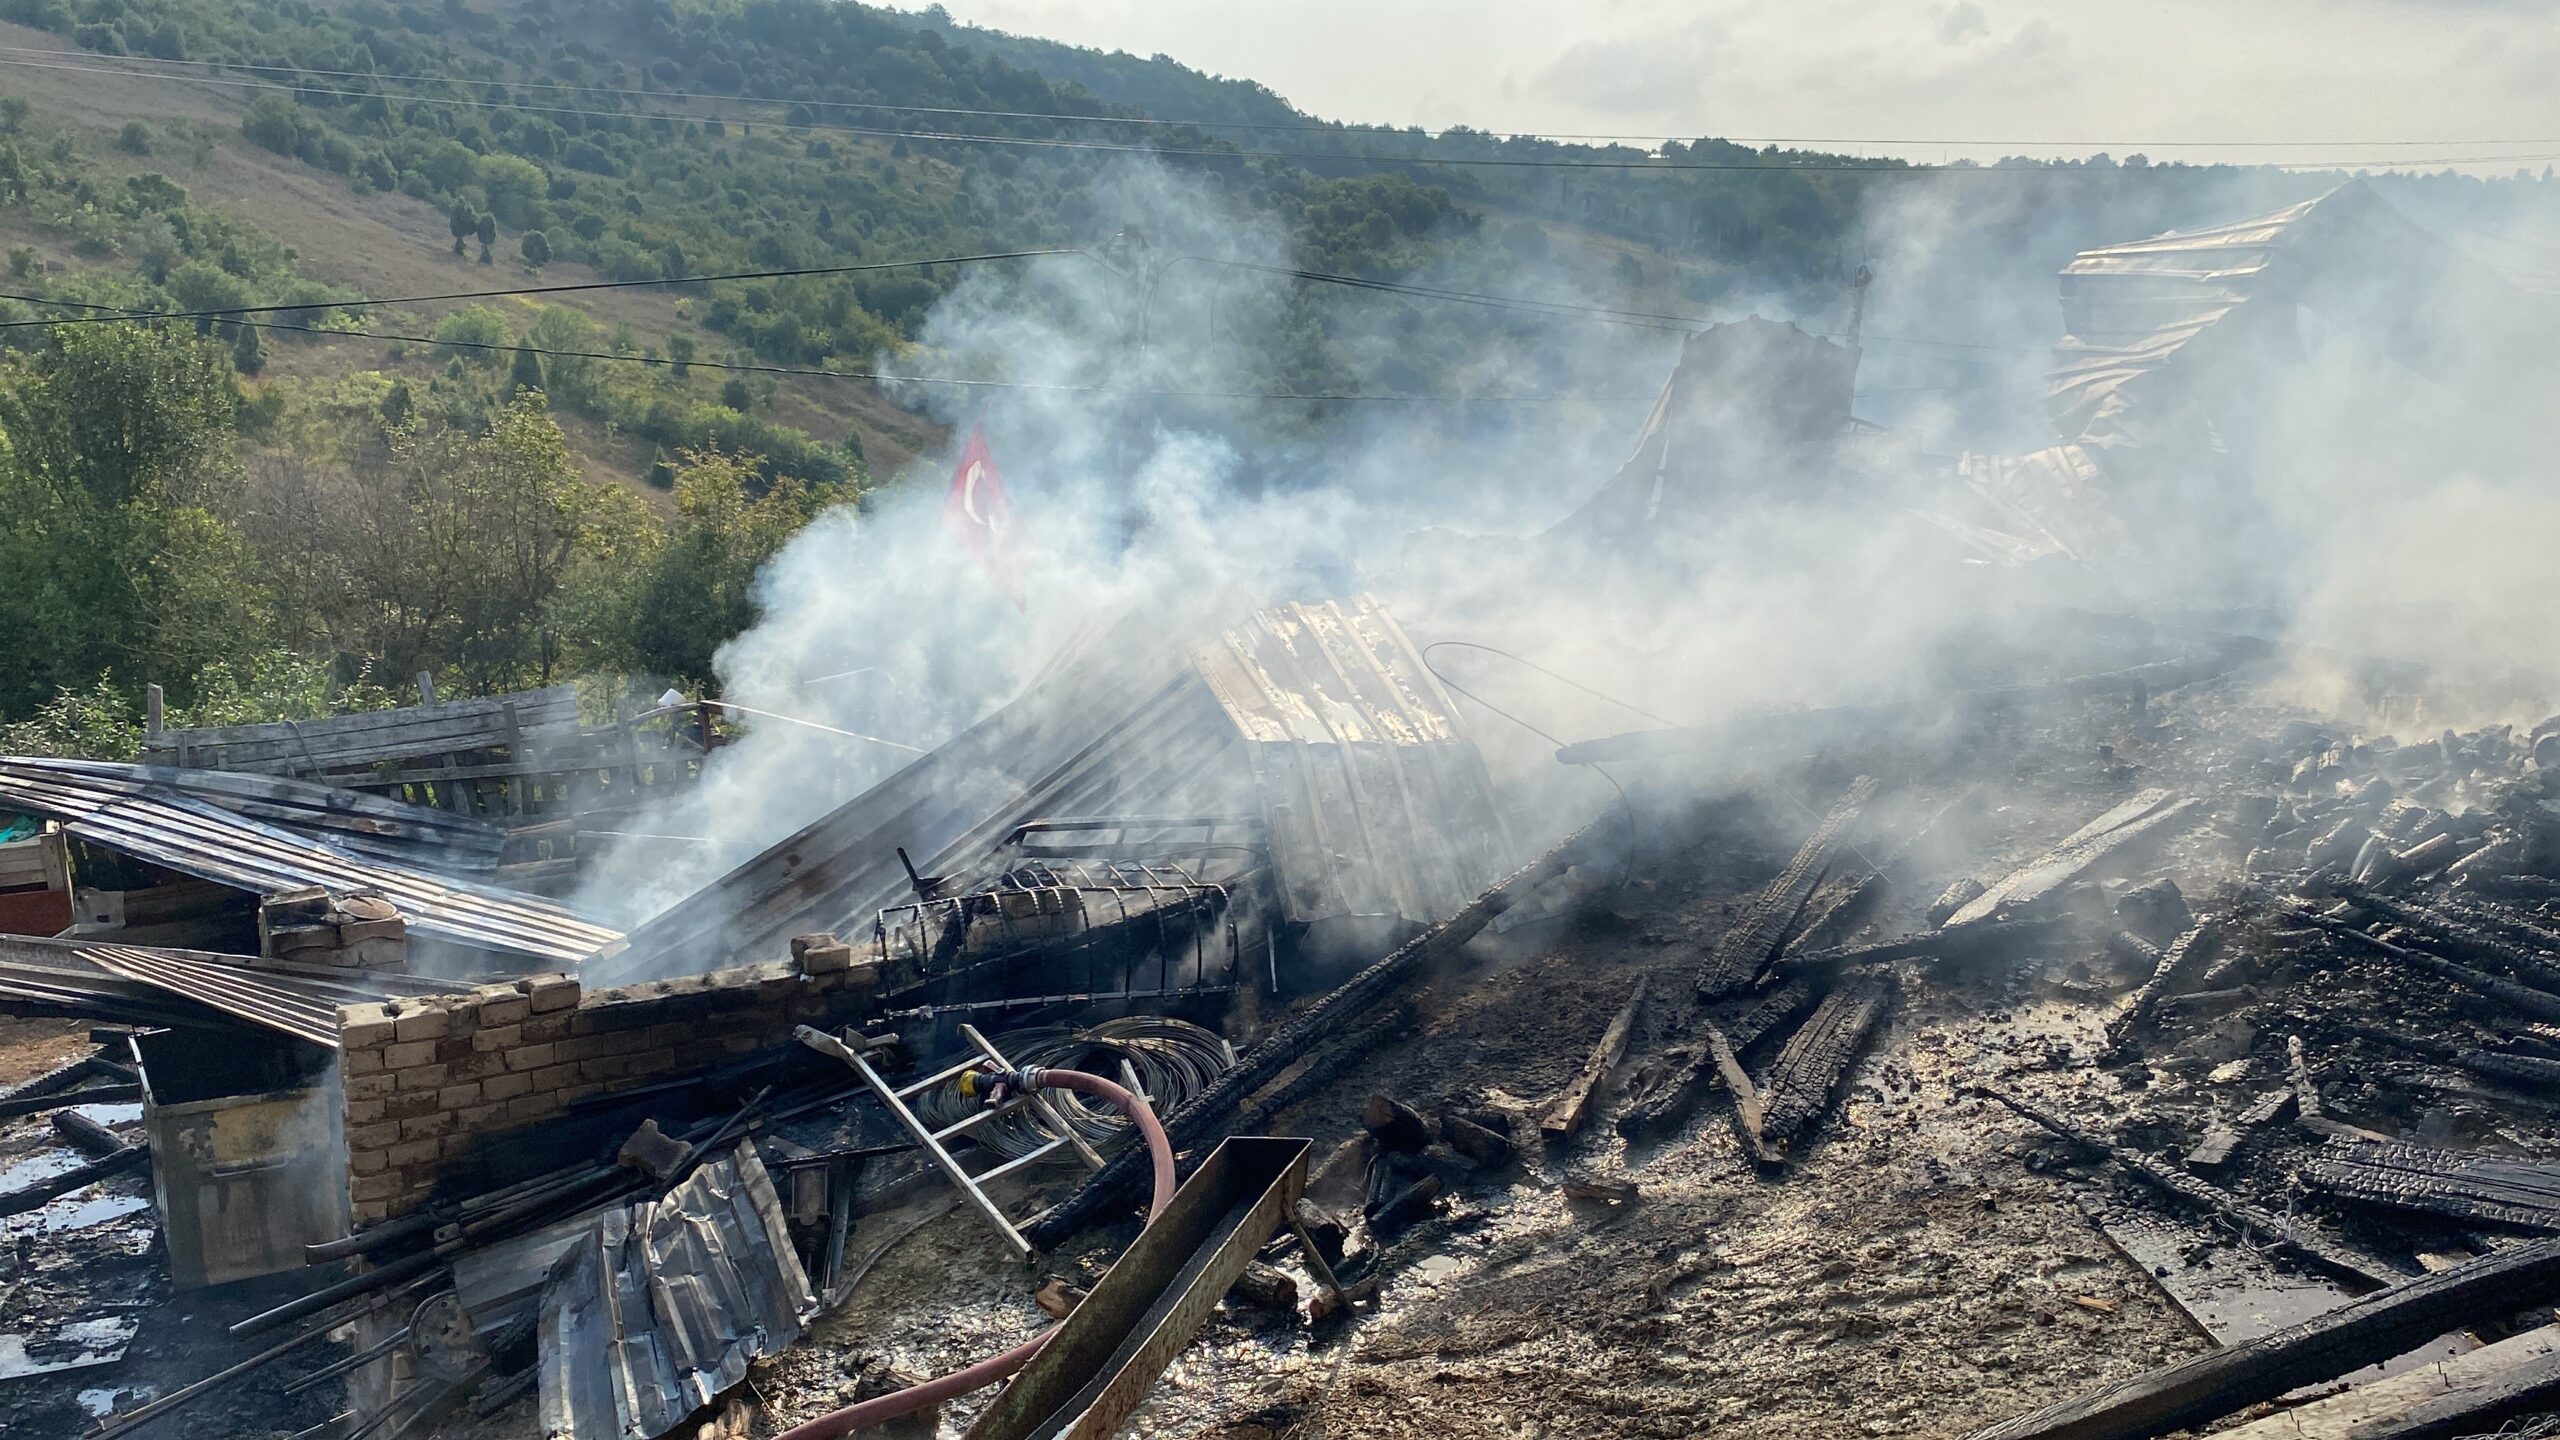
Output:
x=231 y=311
x=1343 y=128
x=876 y=377
x=1880 y=170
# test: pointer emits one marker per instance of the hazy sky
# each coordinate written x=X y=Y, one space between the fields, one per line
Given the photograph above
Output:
x=2135 y=74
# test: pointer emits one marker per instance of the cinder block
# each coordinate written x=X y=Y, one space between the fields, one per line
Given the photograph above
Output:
x=457 y=1097
x=363 y=1026
x=414 y=1152
x=547 y=1027
x=372 y=1137
x=547 y=993
x=822 y=959
x=408 y=1054
x=505 y=1008
x=410 y=1104
x=360 y=1062
x=532 y=1057
x=375 y=1187
x=367 y=1162
x=470 y=1120
x=506 y=1087
x=491 y=1038
x=532 y=1107
x=368 y=1212
x=431 y=1021
x=422 y=1077
x=426 y=1127
x=364 y=1112
x=368 y=1087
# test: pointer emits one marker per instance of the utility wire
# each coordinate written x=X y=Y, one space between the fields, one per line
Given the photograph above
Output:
x=232 y=311
x=1879 y=169
x=1340 y=128
x=875 y=377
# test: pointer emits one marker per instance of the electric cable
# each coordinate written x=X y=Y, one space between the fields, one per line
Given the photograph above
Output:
x=1626 y=805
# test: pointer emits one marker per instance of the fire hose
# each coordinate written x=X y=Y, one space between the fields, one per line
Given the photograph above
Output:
x=996 y=1367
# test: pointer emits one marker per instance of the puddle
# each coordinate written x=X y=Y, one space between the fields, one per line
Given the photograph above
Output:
x=99 y=1403
x=43 y=1165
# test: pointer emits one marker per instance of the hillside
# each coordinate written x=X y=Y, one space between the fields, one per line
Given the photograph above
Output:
x=662 y=439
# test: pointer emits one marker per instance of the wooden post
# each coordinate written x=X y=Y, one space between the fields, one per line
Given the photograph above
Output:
x=153 y=711
x=426 y=687
x=1571 y=1108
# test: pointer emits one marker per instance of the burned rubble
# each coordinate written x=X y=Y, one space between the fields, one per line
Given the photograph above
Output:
x=1212 y=1041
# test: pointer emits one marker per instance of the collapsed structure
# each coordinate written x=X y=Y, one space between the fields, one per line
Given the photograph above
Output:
x=626 y=1170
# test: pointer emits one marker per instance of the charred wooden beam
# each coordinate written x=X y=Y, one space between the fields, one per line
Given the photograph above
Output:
x=1396 y=1125
x=1662 y=1108
x=1573 y=1106
x=1748 y=1113
x=2274 y=1232
x=2196 y=947
x=1754 y=940
x=1205 y=1116
x=1960 y=943
x=2441 y=1182
x=1482 y=1144
x=2468 y=1394
x=1808 y=1070
x=2108 y=837
x=2454 y=936
x=2520 y=997
x=2364 y=1331
x=2533 y=1072
x=30 y=1197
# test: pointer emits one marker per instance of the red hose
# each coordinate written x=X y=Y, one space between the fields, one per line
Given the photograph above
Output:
x=996 y=1367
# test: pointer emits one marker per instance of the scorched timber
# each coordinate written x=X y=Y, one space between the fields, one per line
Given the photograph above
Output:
x=2455 y=935
x=1565 y=1117
x=2365 y=1331
x=2145 y=815
x=1754 y=939
x=2193 y=948
x=2518 y=997
x=2440 y=1182
x=1662 y=1107
x=2272 y=1230
x=1816 y=1056
x=2465 y=1395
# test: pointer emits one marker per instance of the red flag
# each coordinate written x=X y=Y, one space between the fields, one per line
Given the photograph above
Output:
x=980 y=516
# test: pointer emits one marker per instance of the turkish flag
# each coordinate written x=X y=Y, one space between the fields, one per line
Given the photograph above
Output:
x=979 y=515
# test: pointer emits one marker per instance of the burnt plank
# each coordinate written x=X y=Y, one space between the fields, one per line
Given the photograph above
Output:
x=2364 y=1331
x=1572 y=1107
x=1809 y=1068
x=2189 y=950
x=2467 y=1394
x=1662 y=1107
x=2145 y=815
x=1754 y=939
x=2455 y=1183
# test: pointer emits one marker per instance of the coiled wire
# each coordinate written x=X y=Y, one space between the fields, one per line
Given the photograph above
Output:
x=1172 y=1060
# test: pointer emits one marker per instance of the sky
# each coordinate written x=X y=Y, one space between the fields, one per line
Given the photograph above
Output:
x=2042 y=77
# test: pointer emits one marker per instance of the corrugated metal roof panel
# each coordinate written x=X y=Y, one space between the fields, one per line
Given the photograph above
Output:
x=155 y=985
x=360 y=824
x=193 y=837
x=661 y=1307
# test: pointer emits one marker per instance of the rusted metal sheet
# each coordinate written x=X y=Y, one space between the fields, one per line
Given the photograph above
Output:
x=193 y=837
x=368 y=826
x=661 y=1306
x=1106 y=1356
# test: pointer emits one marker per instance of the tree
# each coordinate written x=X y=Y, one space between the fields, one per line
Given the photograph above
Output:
x=680 y=350
x=536 y=248
x=525 y=372
x=463 y=224
x=668 y=611
x=398 y=405
x=134 y=138
x=736 y=395
x=487 y=229
x=116 y=488
x=248 y=354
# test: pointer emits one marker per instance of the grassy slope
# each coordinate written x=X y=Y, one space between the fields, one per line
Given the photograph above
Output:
x=386 y=244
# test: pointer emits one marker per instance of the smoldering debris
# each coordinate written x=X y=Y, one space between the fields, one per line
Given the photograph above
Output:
x=1793 y=933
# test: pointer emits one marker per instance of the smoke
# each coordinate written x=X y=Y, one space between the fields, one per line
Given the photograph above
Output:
x=2383 y=517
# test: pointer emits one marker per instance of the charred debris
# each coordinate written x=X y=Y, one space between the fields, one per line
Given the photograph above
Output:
x=375 y=1134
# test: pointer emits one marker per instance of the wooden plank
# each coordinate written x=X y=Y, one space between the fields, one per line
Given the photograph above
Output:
x=1565 y=1117
x=2463 y=1395
x=1663 y=1105
x=2460 y=1184
x=2364 y=1331
x=1754 y=939
x=2144 y=814
x=1747 y=1112
x=2194 y=947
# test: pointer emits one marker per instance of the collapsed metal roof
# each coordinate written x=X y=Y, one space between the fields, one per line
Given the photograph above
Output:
x=159 y=822
x=1319 y=717
x=368 y=826
x=658 y=1308
x=152 y=985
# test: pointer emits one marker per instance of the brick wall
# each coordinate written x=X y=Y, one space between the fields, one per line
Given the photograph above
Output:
x=428 y=1081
